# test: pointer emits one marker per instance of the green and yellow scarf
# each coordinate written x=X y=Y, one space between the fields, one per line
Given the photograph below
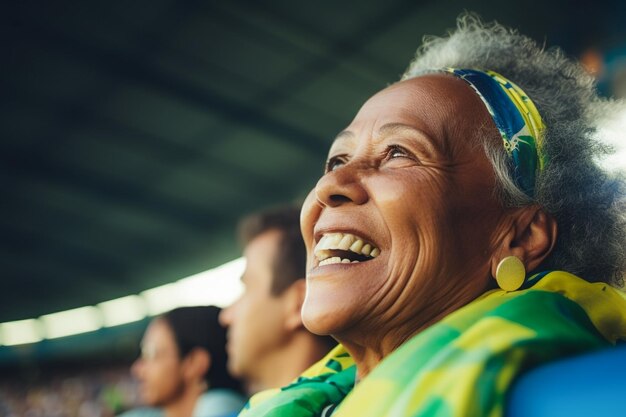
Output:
x=463 y=365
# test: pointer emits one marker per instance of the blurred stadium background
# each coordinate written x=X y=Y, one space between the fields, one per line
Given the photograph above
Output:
x=135 y=134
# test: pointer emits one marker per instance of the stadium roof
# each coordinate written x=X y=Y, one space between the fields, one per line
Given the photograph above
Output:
x=134 y=134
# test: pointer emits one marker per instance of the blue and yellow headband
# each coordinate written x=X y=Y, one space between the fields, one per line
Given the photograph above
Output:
x=517 y=119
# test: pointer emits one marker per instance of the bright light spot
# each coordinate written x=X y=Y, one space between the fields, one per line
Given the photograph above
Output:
x=66 y=323
x=612 y=130
x=219 y=286
x=123 y=310
x=161 y=299
x=20 y=332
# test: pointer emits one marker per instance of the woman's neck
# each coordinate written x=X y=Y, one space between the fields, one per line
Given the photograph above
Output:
x=367 y=354
x=368 y=348
x=185 y=404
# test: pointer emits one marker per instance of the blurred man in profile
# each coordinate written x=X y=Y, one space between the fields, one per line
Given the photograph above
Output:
x=268 y=345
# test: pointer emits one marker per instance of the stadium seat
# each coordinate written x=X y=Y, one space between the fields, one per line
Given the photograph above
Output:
x=589 y=385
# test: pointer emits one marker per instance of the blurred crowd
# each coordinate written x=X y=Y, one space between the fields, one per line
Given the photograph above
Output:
x=88 y=393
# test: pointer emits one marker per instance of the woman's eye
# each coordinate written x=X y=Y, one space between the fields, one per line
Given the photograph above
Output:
x=333 y=163
x=395 y=151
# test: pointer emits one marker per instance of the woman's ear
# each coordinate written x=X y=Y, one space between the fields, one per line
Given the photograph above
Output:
x=294 y=298
x=197 y=364
x=530 y=236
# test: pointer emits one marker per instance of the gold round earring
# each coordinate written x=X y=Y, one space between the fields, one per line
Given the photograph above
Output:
x=510 y=273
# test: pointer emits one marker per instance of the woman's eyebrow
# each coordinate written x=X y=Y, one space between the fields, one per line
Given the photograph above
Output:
x=395 y=128
x=344 y=134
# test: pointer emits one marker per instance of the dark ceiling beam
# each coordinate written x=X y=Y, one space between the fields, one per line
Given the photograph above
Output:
x=26 y=276
x=37 y=162
x=222 y=13
x=127 y=66
x=56 y=223
x=235 y=14
x=81 y=112
x=249 y=181
x=28 y=299
x=33 y=165
x=143 y=142
x=77 y=112
x=343 y=48
x=346 y=47
x=21 y=241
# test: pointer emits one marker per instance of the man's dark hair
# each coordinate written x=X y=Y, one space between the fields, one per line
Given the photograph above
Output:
x=289 y=264
x=198 y=327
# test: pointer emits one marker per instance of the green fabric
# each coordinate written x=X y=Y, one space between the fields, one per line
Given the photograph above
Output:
x=463 y=365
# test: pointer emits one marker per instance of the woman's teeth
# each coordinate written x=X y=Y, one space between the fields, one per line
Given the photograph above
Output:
x=337 y=260
x=326 y=248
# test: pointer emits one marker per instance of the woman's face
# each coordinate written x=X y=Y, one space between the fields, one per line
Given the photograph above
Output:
x=159 y=369
x=408 y=180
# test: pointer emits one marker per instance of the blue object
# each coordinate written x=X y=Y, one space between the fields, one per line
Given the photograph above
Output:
x=589 y=385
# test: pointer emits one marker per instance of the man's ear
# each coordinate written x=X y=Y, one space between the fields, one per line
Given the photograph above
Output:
x=530 y=235
x=294 y=298
x=197 y=364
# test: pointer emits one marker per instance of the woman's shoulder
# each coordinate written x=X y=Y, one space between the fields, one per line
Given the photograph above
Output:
x=143 y=412
x=219 y=403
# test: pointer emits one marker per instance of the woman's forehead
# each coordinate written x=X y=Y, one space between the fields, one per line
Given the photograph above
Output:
x=439 y=105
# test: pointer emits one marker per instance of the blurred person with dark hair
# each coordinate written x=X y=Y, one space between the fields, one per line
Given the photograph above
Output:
x=182 y=368
x=268 y=345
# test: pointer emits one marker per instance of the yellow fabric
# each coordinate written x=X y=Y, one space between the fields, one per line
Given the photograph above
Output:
x=605 y=305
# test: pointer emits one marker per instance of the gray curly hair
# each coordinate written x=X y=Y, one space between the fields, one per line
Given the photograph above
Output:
x=586 y=201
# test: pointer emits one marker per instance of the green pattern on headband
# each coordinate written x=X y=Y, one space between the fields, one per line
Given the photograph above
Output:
x=517 y=119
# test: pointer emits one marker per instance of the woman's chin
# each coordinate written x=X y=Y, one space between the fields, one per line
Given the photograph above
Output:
x=314 y=320
x=319 y=317
x=325 y=316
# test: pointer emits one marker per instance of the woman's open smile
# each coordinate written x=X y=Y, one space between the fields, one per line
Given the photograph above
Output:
x=336 y=247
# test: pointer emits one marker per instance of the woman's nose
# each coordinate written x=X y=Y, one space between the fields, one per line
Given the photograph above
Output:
x=342 y=186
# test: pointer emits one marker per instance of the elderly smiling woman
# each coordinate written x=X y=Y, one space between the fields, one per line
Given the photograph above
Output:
x=439 y=235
